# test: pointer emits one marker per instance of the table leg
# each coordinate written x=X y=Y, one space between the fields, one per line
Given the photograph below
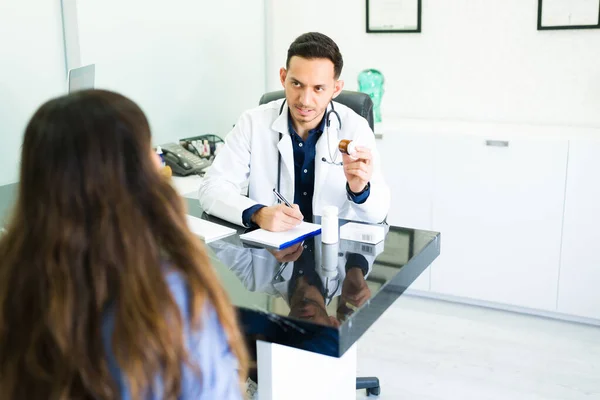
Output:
x=288 y=373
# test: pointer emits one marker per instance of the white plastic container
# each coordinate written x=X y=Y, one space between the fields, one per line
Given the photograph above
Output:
x=329 y=225
x=329 y=259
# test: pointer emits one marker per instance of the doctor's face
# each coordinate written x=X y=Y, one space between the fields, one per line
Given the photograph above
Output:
x=309 y=85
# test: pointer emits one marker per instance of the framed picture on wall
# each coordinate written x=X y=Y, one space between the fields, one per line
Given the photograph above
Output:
x=394 y=16
x=568 y=14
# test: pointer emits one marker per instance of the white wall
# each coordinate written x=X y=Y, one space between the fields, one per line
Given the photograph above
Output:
x=476 y=60
x=193 y=66
x=32 y=70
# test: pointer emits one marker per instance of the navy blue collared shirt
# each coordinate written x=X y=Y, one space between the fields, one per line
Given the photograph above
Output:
x=304 y=166
x=304 y=174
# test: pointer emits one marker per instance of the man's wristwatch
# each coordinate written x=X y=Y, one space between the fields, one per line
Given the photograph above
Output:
x=367 y=186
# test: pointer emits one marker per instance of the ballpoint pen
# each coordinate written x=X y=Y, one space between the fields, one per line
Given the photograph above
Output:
x=280 y=197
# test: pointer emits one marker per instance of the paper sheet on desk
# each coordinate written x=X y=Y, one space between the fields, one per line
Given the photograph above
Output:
x=282 y=240
x=206 y=230
x=365 y=233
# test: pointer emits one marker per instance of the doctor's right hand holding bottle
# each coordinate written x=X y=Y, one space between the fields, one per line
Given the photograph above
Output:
x=358 y=167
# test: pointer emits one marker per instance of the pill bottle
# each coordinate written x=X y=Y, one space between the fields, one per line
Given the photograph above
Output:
x=347 y=147
x=329 y=225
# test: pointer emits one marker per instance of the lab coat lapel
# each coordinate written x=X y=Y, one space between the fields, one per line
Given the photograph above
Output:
x=287 y=153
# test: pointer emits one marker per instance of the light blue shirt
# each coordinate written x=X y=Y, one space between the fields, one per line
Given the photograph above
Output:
x=207 y=348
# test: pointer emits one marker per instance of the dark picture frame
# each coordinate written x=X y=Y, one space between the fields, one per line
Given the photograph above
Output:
x=542 y=27
x=390 y=28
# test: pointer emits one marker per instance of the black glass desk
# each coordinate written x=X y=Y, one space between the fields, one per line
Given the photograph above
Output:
x=310 y=299
x=316 y=299
x=300 y=302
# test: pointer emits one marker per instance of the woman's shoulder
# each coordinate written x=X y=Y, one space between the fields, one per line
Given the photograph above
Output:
x=208 y=349
x=210 y=329
x=179 y=289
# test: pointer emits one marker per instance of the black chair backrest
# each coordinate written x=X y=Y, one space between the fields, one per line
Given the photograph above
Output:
x=360 y=102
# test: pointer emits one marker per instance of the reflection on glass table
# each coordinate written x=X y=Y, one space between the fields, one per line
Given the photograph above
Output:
x=316 y=297
x=305 y=279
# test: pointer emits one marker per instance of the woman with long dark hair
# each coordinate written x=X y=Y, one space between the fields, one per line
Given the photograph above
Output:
x=104 y=291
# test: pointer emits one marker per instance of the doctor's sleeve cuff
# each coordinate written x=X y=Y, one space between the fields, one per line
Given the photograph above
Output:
x=361 y=197
x=355 y=260
x=247 y=215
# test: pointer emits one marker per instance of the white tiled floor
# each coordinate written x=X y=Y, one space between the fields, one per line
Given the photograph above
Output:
x=429 y=349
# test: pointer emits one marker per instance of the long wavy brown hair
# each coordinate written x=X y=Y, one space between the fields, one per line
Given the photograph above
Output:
x=95 y=225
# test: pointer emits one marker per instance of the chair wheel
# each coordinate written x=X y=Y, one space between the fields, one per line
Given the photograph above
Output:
x=374 y=391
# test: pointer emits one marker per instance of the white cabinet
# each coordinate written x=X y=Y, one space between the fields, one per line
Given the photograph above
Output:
x=579 y=284
x=499 y=209
x=407 y=163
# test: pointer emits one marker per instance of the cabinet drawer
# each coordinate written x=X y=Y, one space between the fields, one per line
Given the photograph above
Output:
x=498 y=204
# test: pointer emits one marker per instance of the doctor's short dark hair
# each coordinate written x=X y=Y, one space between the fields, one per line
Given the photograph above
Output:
x=316 y=45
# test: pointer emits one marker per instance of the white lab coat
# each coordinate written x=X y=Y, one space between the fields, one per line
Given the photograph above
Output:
x=250 y=154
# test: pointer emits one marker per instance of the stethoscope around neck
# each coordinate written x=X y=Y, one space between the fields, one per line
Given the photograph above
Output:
x=332 y=159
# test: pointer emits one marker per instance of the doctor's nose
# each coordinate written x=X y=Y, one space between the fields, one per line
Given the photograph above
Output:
x=305 y=97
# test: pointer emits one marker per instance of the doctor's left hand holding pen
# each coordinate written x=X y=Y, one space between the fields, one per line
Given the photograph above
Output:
x=280 y=217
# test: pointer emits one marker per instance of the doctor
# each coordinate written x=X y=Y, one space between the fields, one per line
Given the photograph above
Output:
x=292 y=145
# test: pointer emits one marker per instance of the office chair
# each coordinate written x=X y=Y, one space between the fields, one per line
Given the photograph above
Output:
x=362 y=104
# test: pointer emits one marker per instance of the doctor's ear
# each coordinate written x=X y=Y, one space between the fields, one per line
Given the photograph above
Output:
x=337 y=88
x=282 y=76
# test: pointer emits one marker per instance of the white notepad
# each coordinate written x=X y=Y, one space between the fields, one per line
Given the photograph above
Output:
x=282 y=240
x=206 y=230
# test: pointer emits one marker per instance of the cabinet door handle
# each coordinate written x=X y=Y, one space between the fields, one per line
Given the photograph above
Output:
x=497 y=143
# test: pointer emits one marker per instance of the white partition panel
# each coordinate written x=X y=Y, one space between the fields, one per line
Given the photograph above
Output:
x=32 y=70
x=193 y=66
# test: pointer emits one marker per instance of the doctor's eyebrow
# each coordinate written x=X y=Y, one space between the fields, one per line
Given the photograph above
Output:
x=319 y=86
x=294 y=80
